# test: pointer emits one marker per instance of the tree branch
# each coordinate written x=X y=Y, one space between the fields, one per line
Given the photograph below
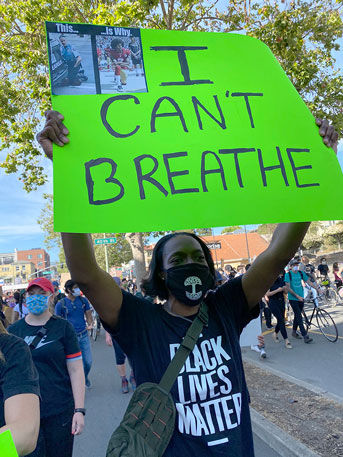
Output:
x=164 y=12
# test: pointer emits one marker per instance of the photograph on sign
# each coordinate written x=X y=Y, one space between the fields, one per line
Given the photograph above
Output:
x=71 y=64
x=209 y=134
x=120 y=62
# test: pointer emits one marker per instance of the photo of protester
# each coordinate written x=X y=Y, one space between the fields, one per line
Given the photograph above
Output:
x=120 y=64
x=71 y=64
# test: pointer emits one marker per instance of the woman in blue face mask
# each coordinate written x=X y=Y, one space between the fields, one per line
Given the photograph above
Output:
x=57 y=357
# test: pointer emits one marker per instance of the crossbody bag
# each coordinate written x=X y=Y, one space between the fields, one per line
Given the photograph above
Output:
x=149 y=421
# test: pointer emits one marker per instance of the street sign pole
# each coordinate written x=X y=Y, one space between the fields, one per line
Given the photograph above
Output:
x=106 y=254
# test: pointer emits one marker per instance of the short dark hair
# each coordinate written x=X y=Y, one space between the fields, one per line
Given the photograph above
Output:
x=115 y=42
x=69 y=285
x=154 y=285
x=323 y=258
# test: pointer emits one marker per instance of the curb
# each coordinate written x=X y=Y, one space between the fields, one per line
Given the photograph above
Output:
x=282 y=443
x=299 y=382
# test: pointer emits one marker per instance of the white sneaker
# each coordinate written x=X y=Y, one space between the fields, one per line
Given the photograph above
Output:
x=120 y=88
x=255 y=348
x=263 y=354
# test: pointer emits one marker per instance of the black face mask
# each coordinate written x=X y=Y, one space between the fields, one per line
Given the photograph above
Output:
x=189 y=283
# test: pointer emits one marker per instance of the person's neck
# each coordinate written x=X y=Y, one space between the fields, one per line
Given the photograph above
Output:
x=71 y=297
x=174 y=306
x=38 y=319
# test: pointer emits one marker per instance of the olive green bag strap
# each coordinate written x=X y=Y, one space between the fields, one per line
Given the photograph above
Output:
x=185 y=348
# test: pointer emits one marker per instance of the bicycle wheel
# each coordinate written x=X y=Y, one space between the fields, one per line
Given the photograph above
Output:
x=94 y=332
x=331 y=296
x=340 y=292
x=326 y=325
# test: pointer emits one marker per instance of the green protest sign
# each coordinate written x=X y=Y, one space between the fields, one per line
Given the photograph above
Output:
x=7 y=446
x=176 y=130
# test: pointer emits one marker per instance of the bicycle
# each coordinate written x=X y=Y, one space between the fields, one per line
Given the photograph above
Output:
x=325 y=323
x=330 y=294
x=94 y=332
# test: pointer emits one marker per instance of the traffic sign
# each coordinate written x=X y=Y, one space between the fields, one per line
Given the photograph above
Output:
x=112 y=240
x=46 y=273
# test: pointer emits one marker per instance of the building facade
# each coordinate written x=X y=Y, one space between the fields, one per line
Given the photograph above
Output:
x=17 y=272
x=39 y=257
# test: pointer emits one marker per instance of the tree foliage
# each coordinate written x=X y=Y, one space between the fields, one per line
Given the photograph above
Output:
x=301 y=34
x=266 y=229
x=334 y=235
x=117 y=253
x=231 y=229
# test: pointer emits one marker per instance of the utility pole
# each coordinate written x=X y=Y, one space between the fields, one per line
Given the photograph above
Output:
x=106 y=254
x=246 y=240
x=215 y=249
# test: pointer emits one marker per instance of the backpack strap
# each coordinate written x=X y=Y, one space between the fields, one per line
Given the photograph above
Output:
x=290 y=276
x=301 y=274
x=41 y=332
x=185 y=348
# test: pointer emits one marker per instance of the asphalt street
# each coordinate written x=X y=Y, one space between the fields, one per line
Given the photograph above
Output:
x=106 y=404
x=317 y=363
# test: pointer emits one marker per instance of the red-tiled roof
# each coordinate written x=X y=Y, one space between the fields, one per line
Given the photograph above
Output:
x=233 y=246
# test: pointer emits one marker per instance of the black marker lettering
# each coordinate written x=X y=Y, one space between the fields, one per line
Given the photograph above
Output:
x=103 y=114
x=110 y=179
x=181 y=54
x=246 y=96
x=236 y=152
x=296 y=169
x=281 y=166
x=205 y=172
x=220 y=122
x=173 y=174
x=177 y=112
x=147 y=176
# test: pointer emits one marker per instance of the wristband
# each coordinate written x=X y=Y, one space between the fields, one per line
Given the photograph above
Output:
x=80 y=410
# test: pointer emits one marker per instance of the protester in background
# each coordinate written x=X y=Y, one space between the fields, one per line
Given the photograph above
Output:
x=338 y=279
x=323 y=269
x=19 y=393
x=230 y=272
x=293 y=280
x=76 y=309
x=150 y=334
x=57 y=357
x=120 y=358
x=276 y=303
x=219 y=279
x=58 y=295
x=309 y=269
x=20 y=309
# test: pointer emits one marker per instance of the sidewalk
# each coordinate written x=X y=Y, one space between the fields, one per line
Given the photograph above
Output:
x=293 y=419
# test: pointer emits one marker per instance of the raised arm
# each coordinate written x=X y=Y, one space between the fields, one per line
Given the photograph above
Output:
x=285 y=242
x=98 y=286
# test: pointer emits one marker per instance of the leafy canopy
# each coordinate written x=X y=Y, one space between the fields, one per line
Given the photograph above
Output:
x=302 y=35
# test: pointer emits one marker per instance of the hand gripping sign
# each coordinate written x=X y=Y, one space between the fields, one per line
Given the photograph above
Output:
x=176 y=130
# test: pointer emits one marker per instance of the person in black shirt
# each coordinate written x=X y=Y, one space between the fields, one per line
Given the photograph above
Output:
x=276 y=296
x=323 y=268
x=19 y=393
x=210 y=394
x=57 y=358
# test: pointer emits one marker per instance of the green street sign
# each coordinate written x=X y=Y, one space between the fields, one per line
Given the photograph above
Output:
x=46 y=273
x=112 y=240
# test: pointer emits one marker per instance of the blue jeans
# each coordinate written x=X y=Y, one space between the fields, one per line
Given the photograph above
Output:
x=119 y=353
x=85 y=348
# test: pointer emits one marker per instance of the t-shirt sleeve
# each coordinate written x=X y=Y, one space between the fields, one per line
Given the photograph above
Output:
x=305 y=276
x=136 y=316
x=18 y=373
x=231 y=294
x=58 y=308
x=71 y=344
x=88 y=306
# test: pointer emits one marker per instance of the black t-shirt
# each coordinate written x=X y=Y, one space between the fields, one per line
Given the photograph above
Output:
x=309 y=270
x=210 y=393
x=17 y=372
x=57 y=348
x=323 y=269
x=279 y=296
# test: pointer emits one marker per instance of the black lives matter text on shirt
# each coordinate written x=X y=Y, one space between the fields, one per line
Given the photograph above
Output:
x=18 y=374
x=210 y=393
x=49 y=358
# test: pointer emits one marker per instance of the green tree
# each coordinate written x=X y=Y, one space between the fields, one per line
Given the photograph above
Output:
x=266 y=229
x=334 y=235
x=203 y=232
x=117 y=253
x=301 y=34
x=313 y=242
x=231 y=229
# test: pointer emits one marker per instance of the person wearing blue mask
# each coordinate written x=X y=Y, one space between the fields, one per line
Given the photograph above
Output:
x=57 y=357
x=76 y=309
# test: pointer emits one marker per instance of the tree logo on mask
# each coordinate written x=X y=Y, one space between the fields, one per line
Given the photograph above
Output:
x=193 y=281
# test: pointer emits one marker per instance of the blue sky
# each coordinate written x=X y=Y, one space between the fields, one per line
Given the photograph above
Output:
x=20 y=211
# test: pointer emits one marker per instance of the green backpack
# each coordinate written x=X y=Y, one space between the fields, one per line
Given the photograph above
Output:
x=149 y=421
